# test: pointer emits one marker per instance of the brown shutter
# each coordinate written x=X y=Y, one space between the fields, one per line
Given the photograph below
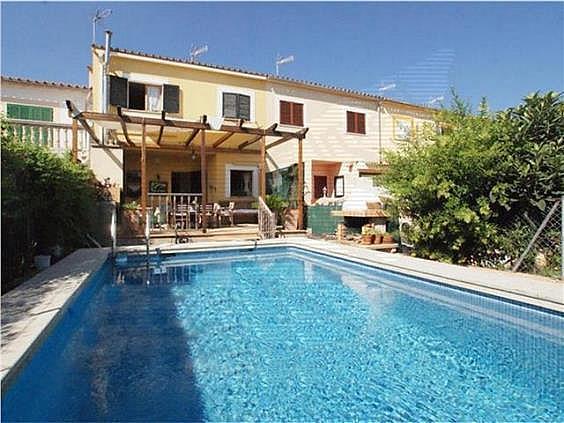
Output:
x=285 y=113
x=297 y=114
x=360 y=123
x=350 y=122
x=118 y=91
x=171 y=98
x=244 y=107
x=229 y=105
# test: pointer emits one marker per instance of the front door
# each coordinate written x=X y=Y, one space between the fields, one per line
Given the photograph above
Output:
x=319 y=182
x=186 y=182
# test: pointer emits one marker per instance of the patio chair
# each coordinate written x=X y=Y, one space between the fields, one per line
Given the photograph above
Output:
x=181 y=216
x=226 y=213
x=209 y=211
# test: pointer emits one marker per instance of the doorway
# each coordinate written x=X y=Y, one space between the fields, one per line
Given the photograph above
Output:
x=319 y=182
x=186 y=182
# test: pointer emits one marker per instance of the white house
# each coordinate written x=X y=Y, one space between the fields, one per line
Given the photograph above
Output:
x=37 y=111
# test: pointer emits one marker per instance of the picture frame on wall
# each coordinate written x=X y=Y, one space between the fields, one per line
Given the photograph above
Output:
x=158 y=186
x=339 y=184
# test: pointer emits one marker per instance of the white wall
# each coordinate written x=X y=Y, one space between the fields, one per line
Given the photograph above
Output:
x=327 y=138
x=43 y=95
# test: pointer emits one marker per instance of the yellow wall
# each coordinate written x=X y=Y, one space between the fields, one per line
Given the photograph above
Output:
x=162 y=164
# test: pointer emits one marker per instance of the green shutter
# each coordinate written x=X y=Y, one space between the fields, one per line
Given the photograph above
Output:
x=23 y=111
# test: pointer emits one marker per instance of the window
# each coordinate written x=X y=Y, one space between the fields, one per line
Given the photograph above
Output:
x=139 y=96
x=237 y=106
x=291 y=113
x=241 y=183
x=355 y=123
x=402 y=128
x=22 y=111
x=339 y=184
x=144 y=97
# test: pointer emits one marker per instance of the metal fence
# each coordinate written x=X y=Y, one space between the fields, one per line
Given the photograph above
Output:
x=542 y=254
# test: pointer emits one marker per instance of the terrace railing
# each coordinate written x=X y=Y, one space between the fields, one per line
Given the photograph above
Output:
x=266 y=220
x=174 y=210
x=56 y=136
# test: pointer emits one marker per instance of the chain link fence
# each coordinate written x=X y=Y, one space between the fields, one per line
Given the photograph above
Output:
x=542 y=253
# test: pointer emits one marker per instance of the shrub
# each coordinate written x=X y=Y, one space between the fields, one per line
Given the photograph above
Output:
x=53 y=195
x=462 y=188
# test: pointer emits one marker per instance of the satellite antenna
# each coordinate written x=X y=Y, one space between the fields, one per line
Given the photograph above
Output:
x=100 y=14
x=387 y=87
x=196 y=51
x=282 y=61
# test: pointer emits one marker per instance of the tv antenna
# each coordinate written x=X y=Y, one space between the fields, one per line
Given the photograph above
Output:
x=100 y=14
x=436 y=99
x=282 y=61
x=387 y=87
x=196 y=51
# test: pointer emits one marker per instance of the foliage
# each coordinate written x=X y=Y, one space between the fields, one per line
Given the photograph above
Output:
x=131 y=206
x=277 y=204
x=461 y=187
x=54 y=195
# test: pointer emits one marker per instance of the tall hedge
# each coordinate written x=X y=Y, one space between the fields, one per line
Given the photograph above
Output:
x=465 y=186
x=46 y=196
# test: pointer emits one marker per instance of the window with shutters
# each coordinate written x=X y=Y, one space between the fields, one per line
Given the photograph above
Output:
x=356 y=123
x=23 y=111
x=291 y=113
x=139 y=96
x=144 y=97
x=237 y=106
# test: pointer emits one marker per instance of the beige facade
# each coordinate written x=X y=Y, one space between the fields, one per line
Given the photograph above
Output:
x=329 y=150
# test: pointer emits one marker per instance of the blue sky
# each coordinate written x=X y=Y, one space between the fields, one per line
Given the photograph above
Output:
x=499 y=50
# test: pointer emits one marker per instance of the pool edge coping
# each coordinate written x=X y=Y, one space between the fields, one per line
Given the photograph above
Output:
x=36 y=323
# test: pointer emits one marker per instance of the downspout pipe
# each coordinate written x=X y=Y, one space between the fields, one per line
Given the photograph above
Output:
x=105 y=79
x=380 y=131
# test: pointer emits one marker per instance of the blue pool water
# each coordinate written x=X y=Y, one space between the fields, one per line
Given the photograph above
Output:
x=281 y=334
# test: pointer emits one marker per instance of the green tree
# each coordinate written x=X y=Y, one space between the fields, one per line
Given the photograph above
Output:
x=50 y=195
x=462 y=186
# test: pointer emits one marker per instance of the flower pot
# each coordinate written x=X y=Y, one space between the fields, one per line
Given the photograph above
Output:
x=132 y=222
x=377 y=239
x=366 y=239
x=387 y=239
x=42 y=262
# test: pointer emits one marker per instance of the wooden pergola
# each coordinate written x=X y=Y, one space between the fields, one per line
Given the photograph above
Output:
x=165 y=134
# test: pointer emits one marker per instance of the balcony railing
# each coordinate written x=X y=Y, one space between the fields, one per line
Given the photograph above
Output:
x=174 y=210
x=56 y=136
x=266 y=221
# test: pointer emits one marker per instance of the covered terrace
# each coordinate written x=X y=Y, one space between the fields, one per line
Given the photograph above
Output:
x=203 y=138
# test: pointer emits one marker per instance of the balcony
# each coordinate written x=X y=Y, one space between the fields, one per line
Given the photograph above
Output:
x=56 y=136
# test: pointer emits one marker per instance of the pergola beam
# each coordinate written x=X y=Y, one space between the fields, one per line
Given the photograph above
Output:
x=237 y=129
x=161 y=130
x=209 y=150
x=124 y=127
x=298 y=135
x=223 y=139
x=78 y=115
x=253 y=140
x=191 y=137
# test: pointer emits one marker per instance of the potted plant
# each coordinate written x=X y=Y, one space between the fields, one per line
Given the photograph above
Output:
x=367 y=235
x=387 y=238
x=41 y=257
x=377 y=236
x=132 y=219
x=277 y=205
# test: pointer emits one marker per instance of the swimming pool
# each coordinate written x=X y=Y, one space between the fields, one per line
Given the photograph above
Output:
x=287 y=334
